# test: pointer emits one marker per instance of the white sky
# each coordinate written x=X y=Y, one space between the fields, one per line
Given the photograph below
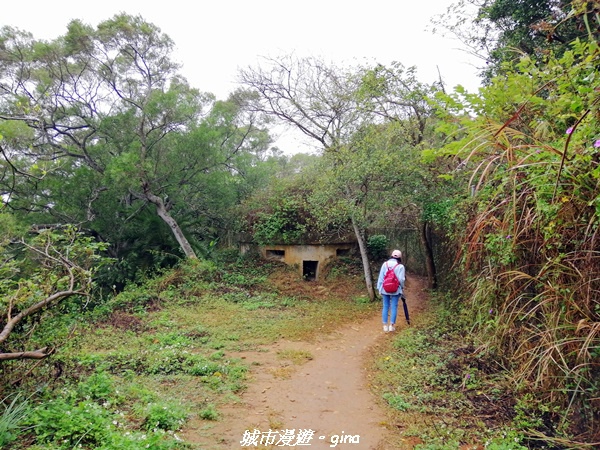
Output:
x=215 y=38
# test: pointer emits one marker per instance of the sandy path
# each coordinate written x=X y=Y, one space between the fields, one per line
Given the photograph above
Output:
x=326 y=398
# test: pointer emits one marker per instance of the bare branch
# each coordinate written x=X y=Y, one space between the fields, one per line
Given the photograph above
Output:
x=35 y=354
x=12 y=323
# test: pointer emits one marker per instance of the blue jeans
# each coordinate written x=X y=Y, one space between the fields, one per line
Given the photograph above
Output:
x=390 y=306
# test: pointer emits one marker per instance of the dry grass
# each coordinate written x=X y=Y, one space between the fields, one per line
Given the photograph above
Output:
x=297 y=357
x=531 y=253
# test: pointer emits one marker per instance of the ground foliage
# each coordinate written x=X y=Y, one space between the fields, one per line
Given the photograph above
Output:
x=134 y=369
x=440 y=392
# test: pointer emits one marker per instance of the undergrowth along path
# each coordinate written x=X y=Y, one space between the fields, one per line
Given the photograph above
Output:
x=324 y=402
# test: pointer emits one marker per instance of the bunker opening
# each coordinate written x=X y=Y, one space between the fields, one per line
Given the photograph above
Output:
x=309 y=270
x=278 y=255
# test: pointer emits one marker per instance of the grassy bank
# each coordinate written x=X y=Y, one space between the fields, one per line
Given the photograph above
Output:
x=442 y=392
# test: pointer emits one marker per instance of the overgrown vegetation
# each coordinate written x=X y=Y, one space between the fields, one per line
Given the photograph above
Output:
x=528 y=236
x=444 y=393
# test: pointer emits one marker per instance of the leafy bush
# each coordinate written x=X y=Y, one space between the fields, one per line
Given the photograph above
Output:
x=190 y=271
x=396 y=401
x=164 y=416
x=242 y=280
x=133 y=298
x=205 y=368
x=136 y=440
x=86 y=417
x=209 y=413
x=165 y=360
x=285 y=222
x=510 y=441
x=377 y=246
x=70 y=424
x=98 y=386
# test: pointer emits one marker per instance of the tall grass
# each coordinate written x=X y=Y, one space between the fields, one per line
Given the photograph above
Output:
x=11 y=419
x=529 y=249
x=535 y=267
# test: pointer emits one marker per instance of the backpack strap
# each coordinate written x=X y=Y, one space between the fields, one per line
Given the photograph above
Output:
x=388 y=265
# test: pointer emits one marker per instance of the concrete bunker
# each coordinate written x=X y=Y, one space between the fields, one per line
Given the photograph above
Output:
x=311 y=259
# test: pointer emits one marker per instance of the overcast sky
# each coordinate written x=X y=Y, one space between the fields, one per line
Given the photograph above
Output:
x=215 y=38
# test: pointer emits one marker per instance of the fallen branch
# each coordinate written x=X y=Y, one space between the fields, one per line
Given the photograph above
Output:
x=12 y=322
x=76 y=279
x=35 y=354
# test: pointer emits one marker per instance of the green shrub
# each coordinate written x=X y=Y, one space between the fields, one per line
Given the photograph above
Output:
x=155 y=440
x=71 y=424
x=205 y=368
x=396 y=401
x=194 y=270
x=132 y=299
x=377 y=246
x=169 y=361
x=172 y=339
x=209 y=413
x=164 y=416
x=242 y=279
x=98 y=386
x=509 y=442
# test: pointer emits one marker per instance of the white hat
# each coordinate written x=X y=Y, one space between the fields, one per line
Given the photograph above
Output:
x=396 y=254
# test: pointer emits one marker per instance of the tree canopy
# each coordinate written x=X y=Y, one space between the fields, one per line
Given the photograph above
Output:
x=100 y=129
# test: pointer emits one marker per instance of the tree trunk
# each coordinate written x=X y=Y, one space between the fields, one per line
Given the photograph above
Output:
x=365 y=259
x=429 y=261
x=163 y=213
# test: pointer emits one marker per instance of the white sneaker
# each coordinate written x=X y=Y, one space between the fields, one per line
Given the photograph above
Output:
x=385 y=328
x=392 y=328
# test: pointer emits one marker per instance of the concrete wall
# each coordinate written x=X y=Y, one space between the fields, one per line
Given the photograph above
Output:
x=310 y=259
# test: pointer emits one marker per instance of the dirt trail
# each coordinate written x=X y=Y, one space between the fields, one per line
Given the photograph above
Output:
x=328 y=395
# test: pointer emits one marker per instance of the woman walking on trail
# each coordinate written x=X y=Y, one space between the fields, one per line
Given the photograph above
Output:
x=390 y=287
